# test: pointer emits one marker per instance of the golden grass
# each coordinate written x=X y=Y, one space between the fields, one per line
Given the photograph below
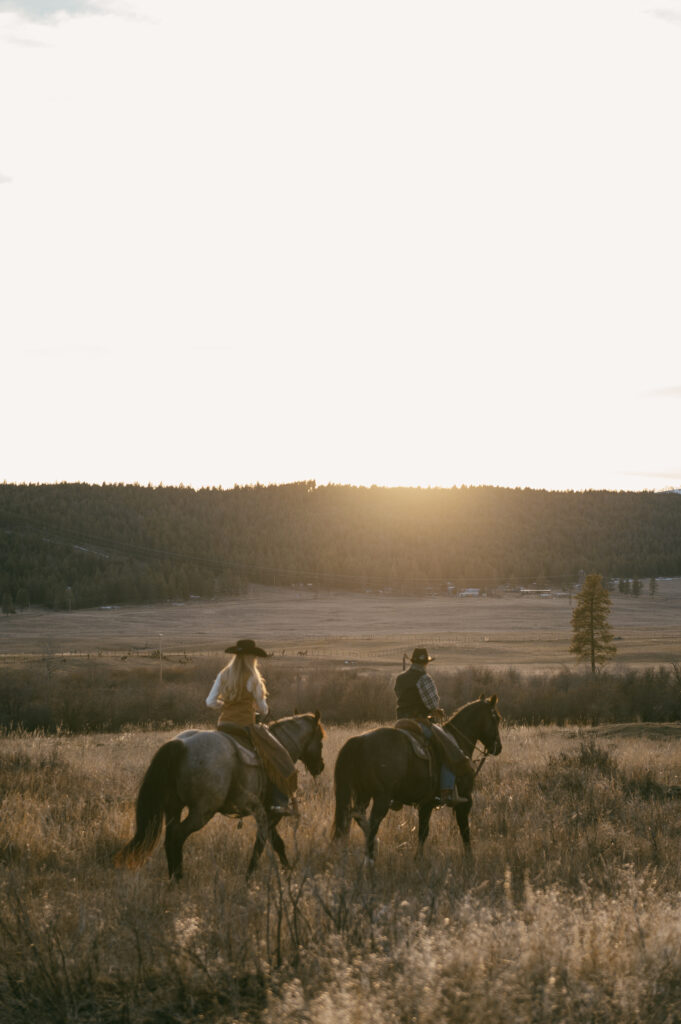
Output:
x=569 y=910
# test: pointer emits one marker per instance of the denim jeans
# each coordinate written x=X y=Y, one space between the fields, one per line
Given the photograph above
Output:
x=447 y=776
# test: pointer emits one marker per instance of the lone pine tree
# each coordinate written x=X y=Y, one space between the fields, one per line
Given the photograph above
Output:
x=591 y=635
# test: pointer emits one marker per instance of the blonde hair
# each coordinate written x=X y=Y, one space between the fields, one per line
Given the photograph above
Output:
x=235 y=675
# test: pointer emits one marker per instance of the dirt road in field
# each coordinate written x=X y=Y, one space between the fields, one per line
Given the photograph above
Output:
x=510 y=630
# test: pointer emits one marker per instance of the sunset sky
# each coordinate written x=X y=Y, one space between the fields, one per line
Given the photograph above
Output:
x=362 y=242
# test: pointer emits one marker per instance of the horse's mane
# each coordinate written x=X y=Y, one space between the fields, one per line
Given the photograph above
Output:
x=465 y=706
x=292 y=718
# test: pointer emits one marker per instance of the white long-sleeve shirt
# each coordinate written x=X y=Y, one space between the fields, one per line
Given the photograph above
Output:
x=254 y=687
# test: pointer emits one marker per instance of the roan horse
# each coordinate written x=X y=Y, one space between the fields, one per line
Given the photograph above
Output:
x=202 y=770
x=381 y=766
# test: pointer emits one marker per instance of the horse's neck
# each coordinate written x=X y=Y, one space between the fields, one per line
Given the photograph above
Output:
x=464 y=730
x=289 y=733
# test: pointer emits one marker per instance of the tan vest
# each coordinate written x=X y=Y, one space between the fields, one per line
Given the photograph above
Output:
x=240 y=711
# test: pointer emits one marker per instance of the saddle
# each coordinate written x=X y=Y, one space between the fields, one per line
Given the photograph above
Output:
x=256 y=745
x=412 y=730
x=241 y=740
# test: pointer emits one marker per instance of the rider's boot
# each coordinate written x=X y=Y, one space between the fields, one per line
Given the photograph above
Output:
x=451 y=798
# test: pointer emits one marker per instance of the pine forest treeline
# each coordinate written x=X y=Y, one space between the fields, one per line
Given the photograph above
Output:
x=81 y=545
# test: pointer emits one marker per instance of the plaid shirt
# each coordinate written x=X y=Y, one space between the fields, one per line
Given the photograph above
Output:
x=428 y=692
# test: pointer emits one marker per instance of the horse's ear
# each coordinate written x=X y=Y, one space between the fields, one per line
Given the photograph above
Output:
x=493 y=700
x=317 y=715
x=482 y=696
x=295 y=711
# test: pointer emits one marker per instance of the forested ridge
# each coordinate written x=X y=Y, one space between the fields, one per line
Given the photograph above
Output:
x=80 y=545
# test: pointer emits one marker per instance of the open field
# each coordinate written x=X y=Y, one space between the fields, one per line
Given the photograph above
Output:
x=527 y=632
x=570 y=910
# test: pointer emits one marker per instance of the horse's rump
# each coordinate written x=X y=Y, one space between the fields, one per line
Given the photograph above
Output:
x=157 y=789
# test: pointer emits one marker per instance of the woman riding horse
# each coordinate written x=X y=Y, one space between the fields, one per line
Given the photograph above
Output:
x=239 y=692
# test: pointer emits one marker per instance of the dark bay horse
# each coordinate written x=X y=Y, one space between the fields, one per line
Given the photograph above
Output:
x=381 y=766
x=202 y=770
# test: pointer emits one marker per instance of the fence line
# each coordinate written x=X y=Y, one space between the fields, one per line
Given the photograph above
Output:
x=355 y=649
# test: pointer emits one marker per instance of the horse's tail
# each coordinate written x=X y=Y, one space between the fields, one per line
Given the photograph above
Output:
x=346 y=764
x=152 y=798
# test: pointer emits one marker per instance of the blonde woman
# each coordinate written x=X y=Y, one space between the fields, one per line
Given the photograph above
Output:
x=239 y=692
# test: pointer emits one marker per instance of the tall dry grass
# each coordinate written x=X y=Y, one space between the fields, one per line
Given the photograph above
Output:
x=568 y=911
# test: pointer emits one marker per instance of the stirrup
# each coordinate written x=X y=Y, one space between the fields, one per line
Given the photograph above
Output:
x=287 y=810
x=284 y=809
x=451 y=798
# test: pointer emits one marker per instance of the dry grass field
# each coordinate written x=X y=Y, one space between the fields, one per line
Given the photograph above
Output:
x=497 y=632
x=570 y=909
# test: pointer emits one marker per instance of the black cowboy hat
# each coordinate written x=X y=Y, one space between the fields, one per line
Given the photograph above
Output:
x=246 y=647
x=420 y=656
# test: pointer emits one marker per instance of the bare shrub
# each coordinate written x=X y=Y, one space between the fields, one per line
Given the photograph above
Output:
x=96 y=695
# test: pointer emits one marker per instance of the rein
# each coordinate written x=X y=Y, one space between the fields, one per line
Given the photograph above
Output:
x=485 y=753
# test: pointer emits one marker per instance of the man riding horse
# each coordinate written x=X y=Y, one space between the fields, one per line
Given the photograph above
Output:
x=418 y=699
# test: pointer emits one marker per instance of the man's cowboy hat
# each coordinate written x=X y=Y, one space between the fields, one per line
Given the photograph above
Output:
x=246 y=647
x=420 y=656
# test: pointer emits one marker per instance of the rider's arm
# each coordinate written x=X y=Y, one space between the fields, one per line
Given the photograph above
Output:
x=212 y=700
x=428 y=692
x=255 y=687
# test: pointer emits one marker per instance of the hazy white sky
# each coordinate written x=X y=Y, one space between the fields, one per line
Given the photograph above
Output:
x=366 y=242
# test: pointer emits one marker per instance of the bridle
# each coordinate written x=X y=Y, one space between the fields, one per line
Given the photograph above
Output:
x=484 y=752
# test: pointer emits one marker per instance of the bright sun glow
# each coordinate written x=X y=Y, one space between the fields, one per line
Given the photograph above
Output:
x=369 y=242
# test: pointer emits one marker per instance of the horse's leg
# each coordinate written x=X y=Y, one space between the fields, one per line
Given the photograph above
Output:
x=462 y=813
x=358 y=814
x=177 y=832
x=263 y=833
x=258 y=847
x=277 y=846
x=425 y=811
x=379 y=809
